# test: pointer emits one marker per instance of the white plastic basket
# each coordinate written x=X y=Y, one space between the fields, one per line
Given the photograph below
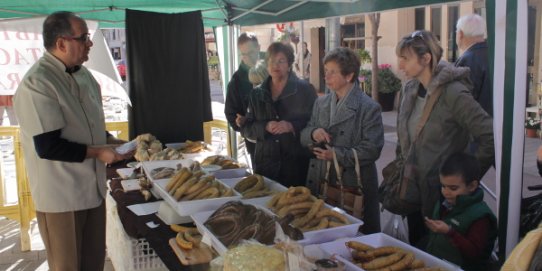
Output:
x=127 y=253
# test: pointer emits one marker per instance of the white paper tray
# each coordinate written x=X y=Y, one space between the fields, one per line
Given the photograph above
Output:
x=186 y=208
x=201 y=217
x=125 y=172
x=272 y=185
x=129 y=185
x=342 y=253
x=325 y=235
x=231 y=173
x=148 y=166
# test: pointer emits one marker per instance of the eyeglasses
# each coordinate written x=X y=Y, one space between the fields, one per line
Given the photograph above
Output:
x=84 y=38
x=331 y=72
x=278 y=62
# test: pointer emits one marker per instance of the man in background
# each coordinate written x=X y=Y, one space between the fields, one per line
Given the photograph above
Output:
x=471 y=33
x=59 y=108
x=303 y=65
x=239 y=87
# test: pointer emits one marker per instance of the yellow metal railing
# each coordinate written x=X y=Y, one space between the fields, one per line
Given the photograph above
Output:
x=218 y=124
x=119 y=129
x=24 y=210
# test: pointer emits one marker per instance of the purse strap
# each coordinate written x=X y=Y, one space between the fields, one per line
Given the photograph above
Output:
x=339 y=175
x=426 y=112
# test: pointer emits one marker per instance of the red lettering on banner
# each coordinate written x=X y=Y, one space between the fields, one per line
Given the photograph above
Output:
x=6 y=57
x=19 y=57
x=22 y=35
x=34 y=52
x=15 y=80
x=6 y=34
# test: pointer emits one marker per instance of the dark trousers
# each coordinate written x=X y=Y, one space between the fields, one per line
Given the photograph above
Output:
x=251 y=147
x=74 y=240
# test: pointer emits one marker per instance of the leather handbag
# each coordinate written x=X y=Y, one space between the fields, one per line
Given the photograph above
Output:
x=350 y=198
x=398 y=192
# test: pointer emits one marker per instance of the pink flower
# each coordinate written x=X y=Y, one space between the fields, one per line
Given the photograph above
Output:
x=384 y=66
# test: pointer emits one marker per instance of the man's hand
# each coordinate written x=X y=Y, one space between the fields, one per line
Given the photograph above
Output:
x=320 y=135
x=107 y=154
x=437 y=226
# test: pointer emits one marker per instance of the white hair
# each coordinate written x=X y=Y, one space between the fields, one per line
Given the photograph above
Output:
x=472 y=25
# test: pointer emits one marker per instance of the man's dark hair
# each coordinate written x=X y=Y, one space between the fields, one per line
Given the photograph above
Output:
x=461 y=164
x=56 y=25
x=246 y=37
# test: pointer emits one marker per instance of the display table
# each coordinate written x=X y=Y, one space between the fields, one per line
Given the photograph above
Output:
x=135 y=226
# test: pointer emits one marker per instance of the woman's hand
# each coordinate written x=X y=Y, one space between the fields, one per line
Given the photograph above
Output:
x=323 y=154
x=437 y=226
x=240 y=120
x=279 y=127
x=320 y=135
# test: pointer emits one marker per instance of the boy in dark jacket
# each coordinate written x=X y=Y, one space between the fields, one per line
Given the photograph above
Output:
x=462 y=227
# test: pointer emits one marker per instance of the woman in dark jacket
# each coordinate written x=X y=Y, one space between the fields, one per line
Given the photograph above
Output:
x=346 y=119
x=454 y=118
x=277 y=112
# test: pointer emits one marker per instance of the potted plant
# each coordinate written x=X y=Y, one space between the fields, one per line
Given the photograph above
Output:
x=388 y=85
x=531 y=126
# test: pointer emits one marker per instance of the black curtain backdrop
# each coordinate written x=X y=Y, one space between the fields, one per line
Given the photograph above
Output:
x=168 y=76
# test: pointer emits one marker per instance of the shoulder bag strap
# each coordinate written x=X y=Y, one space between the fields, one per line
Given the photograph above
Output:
x=339 y=177
x=426 y=112
x=323 y=192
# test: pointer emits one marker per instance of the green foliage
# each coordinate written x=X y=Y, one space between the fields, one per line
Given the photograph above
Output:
x=213 y=61
x=364 y=56
x=387 y=81
x=532 y=123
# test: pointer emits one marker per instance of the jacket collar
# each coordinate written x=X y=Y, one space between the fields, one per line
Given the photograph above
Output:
x=289 y=89
x=350 y=106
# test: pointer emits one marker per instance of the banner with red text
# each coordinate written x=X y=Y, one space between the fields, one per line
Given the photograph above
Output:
x=21 y=45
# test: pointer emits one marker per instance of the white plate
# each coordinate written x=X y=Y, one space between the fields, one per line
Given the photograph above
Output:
x=145 y=208
x=129 y=185
x=342 y=253
x=125 y=172
x=189 y=207
x=148 y=166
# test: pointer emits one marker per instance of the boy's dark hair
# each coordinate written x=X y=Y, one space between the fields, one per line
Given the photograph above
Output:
x=462 y=164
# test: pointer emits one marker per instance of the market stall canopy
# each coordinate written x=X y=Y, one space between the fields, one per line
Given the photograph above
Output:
x=110 y=13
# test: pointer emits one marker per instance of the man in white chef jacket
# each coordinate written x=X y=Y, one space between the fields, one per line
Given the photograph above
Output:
x=59 y=108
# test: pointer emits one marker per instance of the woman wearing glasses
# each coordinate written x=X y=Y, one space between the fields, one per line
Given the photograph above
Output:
x=278 y=109
x=346 y=119
x=455 y=116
